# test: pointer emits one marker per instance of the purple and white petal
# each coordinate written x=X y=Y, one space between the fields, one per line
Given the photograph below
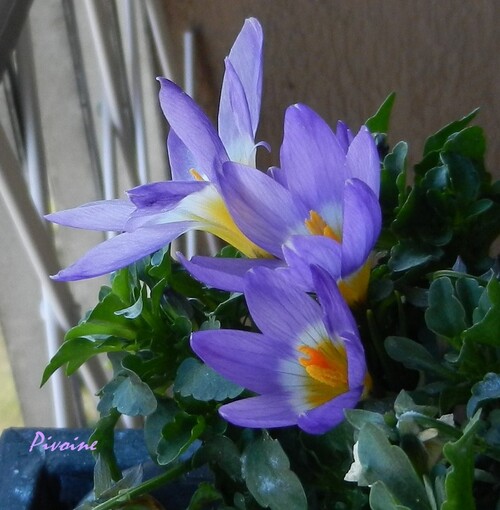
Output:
x=193 y=128
x=103 y=215
x=247 y=359
x=363 y=161
x=356 y=361
x=263 y=209
x=120 y=251
x=223 y=273
x=163 y=195
x=280 y=310
x=362 y=224
x=344 y=135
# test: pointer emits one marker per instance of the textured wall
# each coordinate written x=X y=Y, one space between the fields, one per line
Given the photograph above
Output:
x=343 y=57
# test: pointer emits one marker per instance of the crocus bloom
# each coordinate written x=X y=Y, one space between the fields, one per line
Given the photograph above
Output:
x=308 y=363
x=157 y=213
x=321 y=207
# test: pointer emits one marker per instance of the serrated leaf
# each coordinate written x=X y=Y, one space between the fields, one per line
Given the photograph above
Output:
x=379 y=123
x=460 y=478
x=359 y=417
x=464 y=178
x=266 y=470
x=154 y=423
x=488 y=330
x=469 y=292
x=387 y=463
x=76 y=352
x=223 y=452
x=469 y=142
x=134 y=397
x=203 y=383
x=484 y=391
x=445 y=315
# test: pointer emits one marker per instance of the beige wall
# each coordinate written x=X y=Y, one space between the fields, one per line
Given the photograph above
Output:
x=343 y=57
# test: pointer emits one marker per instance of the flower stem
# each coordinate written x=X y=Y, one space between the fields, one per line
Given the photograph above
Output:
x=145 y=487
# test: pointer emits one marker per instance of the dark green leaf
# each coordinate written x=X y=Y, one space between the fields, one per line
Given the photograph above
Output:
x=203 y=383
x=133 y=311
x=464 y=178
x=468 y=142
x=204 y=495
x=155 y=422
x=379 y=123
x=484 y=391
x=223 y=452
x=445 y=315
x=469 y=292
x=436 y=141
x=266 y=470
x=134 y=397
x=382 y=499
x=408 y=254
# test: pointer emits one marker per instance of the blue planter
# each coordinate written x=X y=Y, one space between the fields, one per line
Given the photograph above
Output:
x=57 y=480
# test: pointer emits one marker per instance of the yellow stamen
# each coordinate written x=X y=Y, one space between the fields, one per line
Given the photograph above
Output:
x=326 y=366
x=196 y=175
x=317 y=226
x=354 y=287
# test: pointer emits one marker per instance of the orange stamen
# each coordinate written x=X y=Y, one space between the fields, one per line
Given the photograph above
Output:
x=317 y=226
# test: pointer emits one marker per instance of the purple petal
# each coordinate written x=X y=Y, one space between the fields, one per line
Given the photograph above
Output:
x=336 y=314
x=362 y=224
x=344 y=135
x=300 y=252
x=363 y=161
x=280 y=310
x=329 y=415
x=263 y=209
x=222 y=273
x=104 y=215
x=121 y=251
x=235 y=125
x=312 y=158
x=278 y=175
x=247 y=359
x=264 y=411
x=193 y=128
x=180 y=157
x=246 y=59
x=356 y=361
x=163 y=195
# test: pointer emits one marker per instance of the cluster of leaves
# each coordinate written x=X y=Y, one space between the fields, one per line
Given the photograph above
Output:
x=429 y=436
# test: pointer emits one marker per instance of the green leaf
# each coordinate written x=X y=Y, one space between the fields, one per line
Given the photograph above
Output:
x=133 y=397
x=203 y=383
x=382 y=499
x=464 y=178
x=469 y=292
x=460 y=478
x=77 y=351
x=379 y=123
x=204 y=495
x=384 y=462
x=408 y=254
x=414 y=356
x=445 y=315
x=469 y=142
x=178 y=436
x=359 y=417
x=487 y=331
x=266 y=470
x=133 y=311
x=484 y=391
x=154 y=423
x=223 y=452
x=436 y=141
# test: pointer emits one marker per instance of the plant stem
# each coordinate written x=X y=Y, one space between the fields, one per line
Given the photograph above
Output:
x=146 y=486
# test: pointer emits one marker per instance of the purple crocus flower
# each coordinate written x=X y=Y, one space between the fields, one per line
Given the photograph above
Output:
x=308 y=363
x=320 y=208
x=157 y=213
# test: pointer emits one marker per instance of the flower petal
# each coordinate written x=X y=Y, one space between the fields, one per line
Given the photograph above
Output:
x=362 y=224
x=222 y=273
x=163 y=195
x=344 y=135
x=280 y=310
x=246 y=59
x=180 y=157
x=323 y=418
x=121 y=251
x=312 y=158
x=263 y=209
x=193 y=128
x=247 y=359
x=104 y=215
x=264 y=411
x=363 y=161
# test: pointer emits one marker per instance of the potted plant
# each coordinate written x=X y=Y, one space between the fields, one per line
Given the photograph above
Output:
x=341 y=352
